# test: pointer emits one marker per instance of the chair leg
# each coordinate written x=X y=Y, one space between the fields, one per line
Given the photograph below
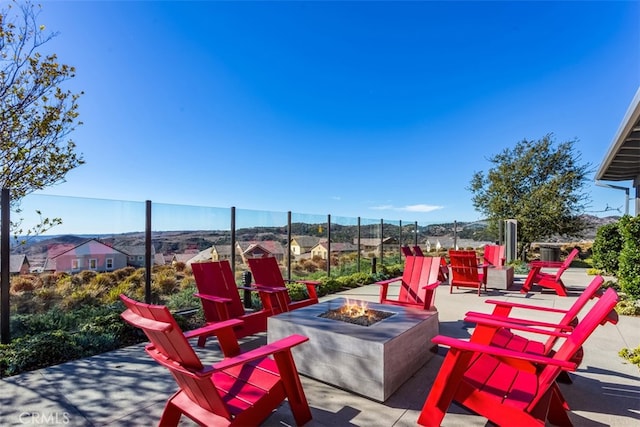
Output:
x=444 y=387
x=171 y=414
x=557 y=414
x=293 y=387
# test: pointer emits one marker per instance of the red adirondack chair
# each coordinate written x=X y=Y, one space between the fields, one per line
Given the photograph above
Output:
x=548 y=280
x=418 y=283
x=268 y=278
x=464 y=271
x=494 y=255
x=488 y=328
x=243 y=389
x=505 y=386
x=406 y=250
x=443 y=275
x=220 y=299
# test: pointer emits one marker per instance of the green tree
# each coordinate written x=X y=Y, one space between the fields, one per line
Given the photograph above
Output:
x=36 y=113
x=539 y=184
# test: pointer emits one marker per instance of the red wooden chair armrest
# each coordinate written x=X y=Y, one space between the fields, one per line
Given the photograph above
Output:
x=249 y=288
x=525 y=306
x=432 y=285
x=527 y=322
x=546 y=264
x=501 y=352
x=270 y=289
x=212 y=328
x=213 y=298
x=280 y=345
x=386 y=282
x=154 y=325
x=499 y=323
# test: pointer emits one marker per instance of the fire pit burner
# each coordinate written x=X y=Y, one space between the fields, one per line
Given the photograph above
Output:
x=358 y=315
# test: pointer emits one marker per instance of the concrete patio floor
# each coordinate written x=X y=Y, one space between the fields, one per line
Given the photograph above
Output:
x=126 y=388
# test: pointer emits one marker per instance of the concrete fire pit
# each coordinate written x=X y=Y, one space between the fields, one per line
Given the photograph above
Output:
x=372 y=361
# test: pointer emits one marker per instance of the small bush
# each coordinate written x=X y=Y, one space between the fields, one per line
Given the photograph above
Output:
x=629 y=261
x=86 y=276
x=22 y=284
x=606 y=248
x=38 y=351
x=628 y=307
x=632 y=355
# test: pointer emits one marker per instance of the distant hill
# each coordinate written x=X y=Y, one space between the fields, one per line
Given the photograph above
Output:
x=169 y=242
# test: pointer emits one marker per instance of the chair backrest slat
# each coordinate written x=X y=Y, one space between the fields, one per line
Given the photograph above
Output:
x=216 y=278
x=567 y=263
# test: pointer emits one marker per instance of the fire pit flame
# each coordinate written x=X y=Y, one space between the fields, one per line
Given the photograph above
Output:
x=357 y=313
x=354 y=309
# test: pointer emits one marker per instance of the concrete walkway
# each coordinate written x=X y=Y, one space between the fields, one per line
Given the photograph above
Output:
x=126 y=388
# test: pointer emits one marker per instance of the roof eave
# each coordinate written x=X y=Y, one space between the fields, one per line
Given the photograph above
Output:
x=630 y=121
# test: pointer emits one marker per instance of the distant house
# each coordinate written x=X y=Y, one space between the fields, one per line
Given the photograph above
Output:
x=220 y=252
x=90 y=255
x=181 y=257
x=136 y=254
x=18 y=264
x=322 y=249
x=204 y=255
x=303 y=244
x=373 y=245
x=159 y=259
x=260 y=249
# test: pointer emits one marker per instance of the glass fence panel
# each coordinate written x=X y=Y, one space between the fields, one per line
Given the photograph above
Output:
x=75 y=258
x=309 y=249
x=186 y=234
x=391 y=242
x=408 y=234
x=370 y=240
x=258 y=234
x=344 y=247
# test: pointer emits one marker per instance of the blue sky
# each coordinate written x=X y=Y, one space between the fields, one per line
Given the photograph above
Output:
x=370 y=109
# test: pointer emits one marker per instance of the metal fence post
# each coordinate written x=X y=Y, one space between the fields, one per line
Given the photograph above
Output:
x=329 y=245
x=358 y=244
x=5 y=331
x=233 y=241
x=289 y=245
x=147 y=254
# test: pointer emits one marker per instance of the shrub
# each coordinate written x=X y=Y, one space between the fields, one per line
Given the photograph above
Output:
x=606 y=248
x=123 y=273
x=632 y=355
x=628 y=307
x=22 y=284
x=48 y=280
x=179 y=265
x=86 y=276
x=38 y=351
x=629 y=262
x=297 y=291
x=107 y=280
x=164 y=282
